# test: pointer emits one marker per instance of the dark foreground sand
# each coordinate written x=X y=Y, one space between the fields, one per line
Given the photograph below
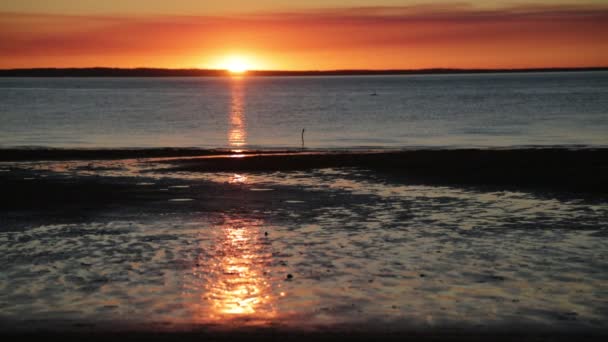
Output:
x=562 y=169
x=332 y=335
x=494 y=244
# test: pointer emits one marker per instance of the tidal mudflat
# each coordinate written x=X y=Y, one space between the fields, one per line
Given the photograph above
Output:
x=182 y=245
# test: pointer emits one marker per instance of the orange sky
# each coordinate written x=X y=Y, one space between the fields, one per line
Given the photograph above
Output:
x=449 y=34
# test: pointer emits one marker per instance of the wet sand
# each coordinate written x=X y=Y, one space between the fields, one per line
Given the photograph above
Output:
x=562 y=169
x=431 y=245
x=330 y=335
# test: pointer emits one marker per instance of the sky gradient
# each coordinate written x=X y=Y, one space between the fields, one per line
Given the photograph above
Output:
x=312 y=35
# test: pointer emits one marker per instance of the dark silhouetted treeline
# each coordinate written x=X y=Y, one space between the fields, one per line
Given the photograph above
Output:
x=154 y=72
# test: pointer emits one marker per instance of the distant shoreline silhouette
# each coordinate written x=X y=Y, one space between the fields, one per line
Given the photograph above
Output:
x=159 y=72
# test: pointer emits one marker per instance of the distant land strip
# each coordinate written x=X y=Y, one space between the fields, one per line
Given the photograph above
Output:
x=157 y=72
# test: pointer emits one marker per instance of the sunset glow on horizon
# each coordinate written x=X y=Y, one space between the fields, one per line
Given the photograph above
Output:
x=237 y=67
x=312 y=36
x=235 y=64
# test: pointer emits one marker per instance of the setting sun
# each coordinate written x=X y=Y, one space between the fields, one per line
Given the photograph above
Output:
x=236 y=65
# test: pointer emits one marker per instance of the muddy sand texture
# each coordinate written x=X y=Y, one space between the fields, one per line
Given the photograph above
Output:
x=26 y=200
x=558 y=169
x=554 y=169
x=279 y=335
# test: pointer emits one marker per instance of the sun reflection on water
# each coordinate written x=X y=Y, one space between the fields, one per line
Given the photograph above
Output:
x=238 y=179
x=237 y=135
x=238 y=285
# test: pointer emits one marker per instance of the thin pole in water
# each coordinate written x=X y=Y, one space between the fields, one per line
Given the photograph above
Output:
x=303 y=130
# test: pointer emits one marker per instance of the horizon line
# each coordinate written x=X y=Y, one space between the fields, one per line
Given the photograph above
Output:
x=100 y=71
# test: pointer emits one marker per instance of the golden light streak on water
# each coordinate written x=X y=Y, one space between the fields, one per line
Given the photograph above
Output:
x=238 y=179
x=238 y=286
x=237 y=134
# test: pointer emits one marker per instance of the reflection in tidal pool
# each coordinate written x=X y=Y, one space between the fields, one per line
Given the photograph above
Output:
x=238 y=179
x=238 y=285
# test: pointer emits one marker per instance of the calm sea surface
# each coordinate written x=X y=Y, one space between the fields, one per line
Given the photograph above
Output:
x=337 y=112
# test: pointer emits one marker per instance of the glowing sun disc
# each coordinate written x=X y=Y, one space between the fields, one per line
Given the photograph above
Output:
x=236 y=65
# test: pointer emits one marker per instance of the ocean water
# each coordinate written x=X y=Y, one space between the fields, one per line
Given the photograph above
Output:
x=476 y=110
